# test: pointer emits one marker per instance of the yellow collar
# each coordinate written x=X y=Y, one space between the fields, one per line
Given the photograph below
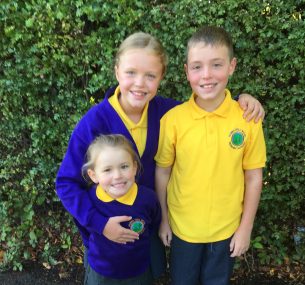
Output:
x=127 y=199
x=114 y=101
x=222 y=110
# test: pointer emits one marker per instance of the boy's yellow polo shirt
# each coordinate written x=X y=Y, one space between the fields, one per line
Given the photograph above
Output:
x=208 y=153
x=138 y=131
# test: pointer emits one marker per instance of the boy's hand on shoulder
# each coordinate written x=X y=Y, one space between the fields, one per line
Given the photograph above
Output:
x=240 y=242
x=115 y=232
x=165 y=233
x=253 y=109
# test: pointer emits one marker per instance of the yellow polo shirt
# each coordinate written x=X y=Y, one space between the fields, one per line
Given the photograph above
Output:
x=208 y=152
x=138 y=131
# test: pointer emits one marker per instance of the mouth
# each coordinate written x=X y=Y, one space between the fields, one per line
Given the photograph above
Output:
x=118 y=184
x=138 y=94
x=208 y=86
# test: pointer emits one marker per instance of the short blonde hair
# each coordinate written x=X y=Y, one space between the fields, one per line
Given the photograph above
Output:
x=142 y=40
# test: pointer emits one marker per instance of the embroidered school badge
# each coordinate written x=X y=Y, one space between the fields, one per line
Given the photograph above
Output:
x=237 y=138
x=137 y=225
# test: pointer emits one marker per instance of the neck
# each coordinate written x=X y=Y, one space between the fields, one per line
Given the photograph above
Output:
x=210 y=105
x=132 y=113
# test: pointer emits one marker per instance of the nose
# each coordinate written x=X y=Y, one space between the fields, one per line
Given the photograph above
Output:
x=206 y=72
x=139 y=80
x=117 y=173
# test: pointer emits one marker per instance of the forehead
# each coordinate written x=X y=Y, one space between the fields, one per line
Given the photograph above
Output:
x=112 y=153
x=140 y=57
x=202 y=51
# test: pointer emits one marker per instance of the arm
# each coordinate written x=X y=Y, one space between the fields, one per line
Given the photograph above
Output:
x=71 y=189
x=241 y=239
x=252 y=108
x=162 y=178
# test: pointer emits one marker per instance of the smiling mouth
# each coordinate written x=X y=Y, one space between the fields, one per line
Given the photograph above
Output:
x=138 y=93
x=208 y=86
x=119 y=185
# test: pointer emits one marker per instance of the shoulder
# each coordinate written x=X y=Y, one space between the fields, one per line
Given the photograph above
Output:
x=96 y=117
x=101 y=109
x=236 y=115
x=236 y=109
x=177 y=110
x=163 y=105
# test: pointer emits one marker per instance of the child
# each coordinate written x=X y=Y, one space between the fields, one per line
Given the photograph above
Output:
x=133 y=110
x=112 y=165
x=209 y=168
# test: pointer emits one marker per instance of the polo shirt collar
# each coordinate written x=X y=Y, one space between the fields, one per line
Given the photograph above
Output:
x=222 y=110
x=117 y=106
x=127 y=199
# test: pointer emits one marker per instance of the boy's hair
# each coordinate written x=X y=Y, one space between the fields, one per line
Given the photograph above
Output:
x=102 y=141
x=211 y=35
x=146 y=41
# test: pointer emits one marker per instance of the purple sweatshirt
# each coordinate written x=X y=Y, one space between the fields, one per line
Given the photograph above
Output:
x=120 y=261
x=103 y=119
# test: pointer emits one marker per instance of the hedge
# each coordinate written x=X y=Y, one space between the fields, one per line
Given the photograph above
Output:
x=57 y=60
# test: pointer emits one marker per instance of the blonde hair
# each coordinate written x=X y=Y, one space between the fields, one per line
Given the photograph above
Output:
x=142 y=40
x=102 y=141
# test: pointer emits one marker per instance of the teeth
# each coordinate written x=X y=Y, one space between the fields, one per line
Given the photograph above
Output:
x=118 y=184
x=138 y=93
x=207 y=85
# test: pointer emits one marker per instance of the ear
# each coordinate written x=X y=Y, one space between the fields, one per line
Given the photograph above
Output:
x=186 y=72
x=92 y=175
x=233 y=65
x=135 y=166
x=116 y=73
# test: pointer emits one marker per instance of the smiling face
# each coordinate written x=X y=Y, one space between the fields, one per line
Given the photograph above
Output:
x=208 y=69
x=139 y=72
x=114 y=170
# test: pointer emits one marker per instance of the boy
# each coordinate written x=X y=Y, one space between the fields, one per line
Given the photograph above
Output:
x=209 y=168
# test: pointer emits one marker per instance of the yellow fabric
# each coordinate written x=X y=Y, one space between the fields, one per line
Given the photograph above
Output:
x=127 y=199
x=138 y=131
x=206 y=187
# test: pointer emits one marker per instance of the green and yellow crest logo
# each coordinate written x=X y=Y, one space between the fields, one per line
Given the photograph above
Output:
x=237 y=138
x=137 y=225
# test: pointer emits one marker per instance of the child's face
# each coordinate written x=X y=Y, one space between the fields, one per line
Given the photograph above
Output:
x=114 y=170
x=208 y=69
x=139 y=73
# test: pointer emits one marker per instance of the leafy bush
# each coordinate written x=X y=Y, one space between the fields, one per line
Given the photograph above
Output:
x=56 y=55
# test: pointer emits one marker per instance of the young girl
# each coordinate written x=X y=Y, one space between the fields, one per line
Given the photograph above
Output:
x=133 y=110
x=112 y=165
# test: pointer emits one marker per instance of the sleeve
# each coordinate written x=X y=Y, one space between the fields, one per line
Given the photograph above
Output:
x=255 y=149
x=165 y=156
x=71 y=188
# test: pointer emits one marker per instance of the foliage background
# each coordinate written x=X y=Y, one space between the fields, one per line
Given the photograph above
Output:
x=56 y=55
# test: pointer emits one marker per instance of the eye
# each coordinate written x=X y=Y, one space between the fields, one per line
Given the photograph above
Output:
x=151 y=76
x=217 y=65
x=195 y=67
x=130 y=72
x=106 y=170
x=125 y=166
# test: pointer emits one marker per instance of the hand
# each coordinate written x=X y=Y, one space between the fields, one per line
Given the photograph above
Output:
x=240 y=242
x=252 y=107
x=165 y=233
x=115 y=232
